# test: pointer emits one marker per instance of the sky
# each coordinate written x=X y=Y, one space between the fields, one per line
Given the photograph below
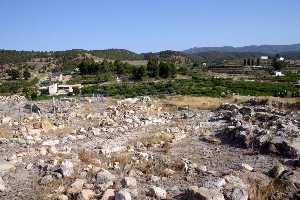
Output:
x=146 y=25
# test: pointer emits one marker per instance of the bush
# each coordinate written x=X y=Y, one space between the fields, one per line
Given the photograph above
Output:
x=139 y=73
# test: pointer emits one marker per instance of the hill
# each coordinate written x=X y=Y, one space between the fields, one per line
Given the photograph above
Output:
x=267 y=49
x=174 y=56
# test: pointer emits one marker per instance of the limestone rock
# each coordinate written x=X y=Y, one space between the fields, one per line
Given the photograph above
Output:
x=104 y=176
x=2 y=185
x=76 y=187
x=247 y=167
x=129 y=182
x=109 y=194
x=196 y=193
x=87 y=194
x=158 y=192
x=6 y=166
x=123 y=195
x=214 y=183
x=67 y=168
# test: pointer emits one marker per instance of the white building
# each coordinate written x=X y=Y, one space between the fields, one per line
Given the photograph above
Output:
x=278 y=73
x=52 y=89
x=281 y=58
x=56 y=89
x=264 y=57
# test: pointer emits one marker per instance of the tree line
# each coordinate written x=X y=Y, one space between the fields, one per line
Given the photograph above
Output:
x=153 y=69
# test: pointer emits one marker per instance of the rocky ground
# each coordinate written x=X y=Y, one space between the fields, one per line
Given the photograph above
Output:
x=141 y=148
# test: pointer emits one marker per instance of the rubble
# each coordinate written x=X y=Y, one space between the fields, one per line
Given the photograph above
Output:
x=266 y=129
x=141 y=149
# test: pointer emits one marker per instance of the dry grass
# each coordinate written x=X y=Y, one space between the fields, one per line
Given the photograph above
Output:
x=159 y=138
x=42 y=192
x=61 y=131
x=261 y=189
x=88 y=157
x=123 y=159
x=211 y=103
x=5 y=132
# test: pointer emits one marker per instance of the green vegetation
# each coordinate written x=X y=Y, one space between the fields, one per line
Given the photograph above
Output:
x=14 y=74
x=139 y=73
x=278 y=65
x=196 y=86
x=26 y=74
x=153 y=68
x=16 y=86
x=117 y=67
x=117 y=54
x=167 y=69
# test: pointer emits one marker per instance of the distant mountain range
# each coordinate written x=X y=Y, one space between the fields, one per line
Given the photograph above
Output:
x=267 y=49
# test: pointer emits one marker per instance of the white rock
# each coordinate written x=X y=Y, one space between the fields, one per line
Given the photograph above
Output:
x=123 y=195
x=204 y=194
x=109 y=194
x=67 y=168
x=29 y=166
x=239 y=194
x=129 y=182
x=247 y=167
x=83 y=131
x=202 y=168
x=43 y=151
x=158 y=192
x=154 y=178
x=6 y=120
x=6 y=166
x=104 y=176
x=87 y=194
x=2 y=185
x=215 y=182
x=34 y=132
x=50 y=142
x=76 y=187
x=62 y=197
x=53 y=150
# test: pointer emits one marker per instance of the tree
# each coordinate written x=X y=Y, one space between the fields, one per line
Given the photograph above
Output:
x=167 y=70
x=183 y=70
x=278 y=65
x=14 y=74
x=153 y=68
x=172 y=69
x=195 y=64
x=139 y=73
x=258 y=62
x=119 y=67
x=26 y=74
x=248 y=62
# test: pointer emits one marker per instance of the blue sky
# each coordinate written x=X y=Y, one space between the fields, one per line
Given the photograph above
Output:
x=146 y=25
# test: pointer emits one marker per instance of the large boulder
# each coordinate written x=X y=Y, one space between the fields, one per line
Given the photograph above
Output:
x=284 y=147
x=104 y=177
x=129 y=182
x=67 y=168
x=158 y=192
x=196 y=193
x=6 y=167
x=123 y=195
